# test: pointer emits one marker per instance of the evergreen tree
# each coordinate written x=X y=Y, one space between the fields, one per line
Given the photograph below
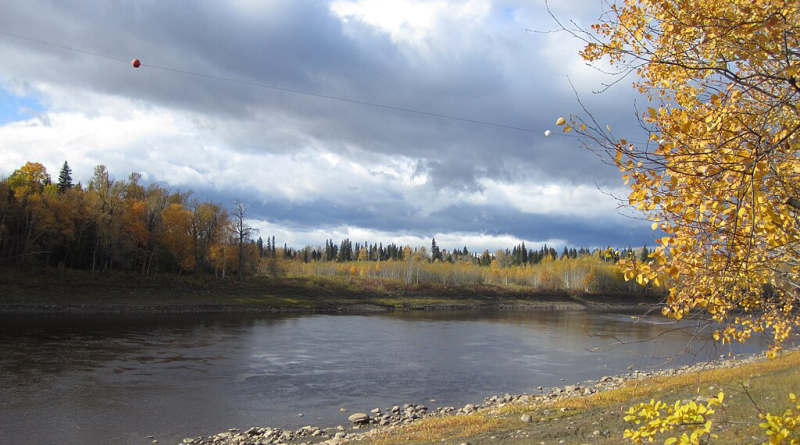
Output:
x=645 y=253
x=486 y=258
x=346 y=250
x=436 y=254
x=65 y=178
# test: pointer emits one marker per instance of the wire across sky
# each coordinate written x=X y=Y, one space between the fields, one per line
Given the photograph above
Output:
x=278 y=88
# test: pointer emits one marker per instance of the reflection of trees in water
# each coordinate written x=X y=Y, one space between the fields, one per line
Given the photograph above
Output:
x=36 y=345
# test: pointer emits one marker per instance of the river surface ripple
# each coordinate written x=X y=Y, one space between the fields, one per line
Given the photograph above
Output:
x=117 y=379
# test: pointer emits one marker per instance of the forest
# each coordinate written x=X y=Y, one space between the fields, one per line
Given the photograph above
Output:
x=113 y=225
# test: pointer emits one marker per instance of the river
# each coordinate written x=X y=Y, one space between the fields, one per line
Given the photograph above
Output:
x=117 y=379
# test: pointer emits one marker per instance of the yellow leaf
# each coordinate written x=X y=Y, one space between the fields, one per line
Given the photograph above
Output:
x=561 y=121
x=567 y=129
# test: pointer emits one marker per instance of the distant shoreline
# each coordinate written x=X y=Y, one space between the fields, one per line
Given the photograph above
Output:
x=360 y=308
x=70 y=292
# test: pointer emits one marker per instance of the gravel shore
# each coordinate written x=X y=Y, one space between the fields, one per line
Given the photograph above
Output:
x=362 y=425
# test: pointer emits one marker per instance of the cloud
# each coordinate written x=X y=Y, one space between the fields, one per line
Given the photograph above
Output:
x=309 y=161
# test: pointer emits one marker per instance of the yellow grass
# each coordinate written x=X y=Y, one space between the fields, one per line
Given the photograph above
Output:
x=649 y=387
x=438 y=428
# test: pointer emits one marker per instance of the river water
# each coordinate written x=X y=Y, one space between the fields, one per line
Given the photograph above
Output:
x=117 y=379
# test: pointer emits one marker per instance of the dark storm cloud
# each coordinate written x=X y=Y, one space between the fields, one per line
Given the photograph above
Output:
x=391 y=214
x=486 y=220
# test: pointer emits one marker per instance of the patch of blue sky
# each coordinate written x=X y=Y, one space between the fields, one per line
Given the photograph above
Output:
x=16 y=108
x=509 y=13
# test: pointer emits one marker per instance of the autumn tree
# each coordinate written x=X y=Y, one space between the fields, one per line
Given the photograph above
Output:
x=207 y=229
x=177 y=236
x=5 y=207
x=156 y=200
x=720 y=171
x=33 y=193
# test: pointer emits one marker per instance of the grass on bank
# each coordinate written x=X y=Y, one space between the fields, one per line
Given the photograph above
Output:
x=54 y=286
x=598 y=418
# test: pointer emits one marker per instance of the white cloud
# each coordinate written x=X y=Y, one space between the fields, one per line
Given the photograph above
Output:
x=411 y=20
x=579 y=200
x=169 y=147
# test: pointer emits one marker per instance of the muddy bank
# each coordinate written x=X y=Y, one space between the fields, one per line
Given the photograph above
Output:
x=129 y=295
x=638 y=306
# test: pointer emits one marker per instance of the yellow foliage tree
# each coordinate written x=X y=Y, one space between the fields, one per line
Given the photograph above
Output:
x=177 y=235
x=720 y=174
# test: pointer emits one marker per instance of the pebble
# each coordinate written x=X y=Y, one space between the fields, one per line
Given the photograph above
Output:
x=359 y=419
x=526 y=418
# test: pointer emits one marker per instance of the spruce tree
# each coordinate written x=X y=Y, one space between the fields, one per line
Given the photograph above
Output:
x=65 y=178
x=436 y=254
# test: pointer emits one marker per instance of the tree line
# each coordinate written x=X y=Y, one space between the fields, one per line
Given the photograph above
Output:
x=519 y=255
x=124 y=225
x=590 y=273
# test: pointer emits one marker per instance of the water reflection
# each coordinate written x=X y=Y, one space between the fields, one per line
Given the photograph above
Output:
x=178 y=375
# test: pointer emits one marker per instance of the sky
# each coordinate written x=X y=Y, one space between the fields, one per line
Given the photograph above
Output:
x=209 y=111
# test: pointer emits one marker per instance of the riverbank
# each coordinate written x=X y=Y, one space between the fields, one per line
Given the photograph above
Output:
x=588 y=412
x=74 y=291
